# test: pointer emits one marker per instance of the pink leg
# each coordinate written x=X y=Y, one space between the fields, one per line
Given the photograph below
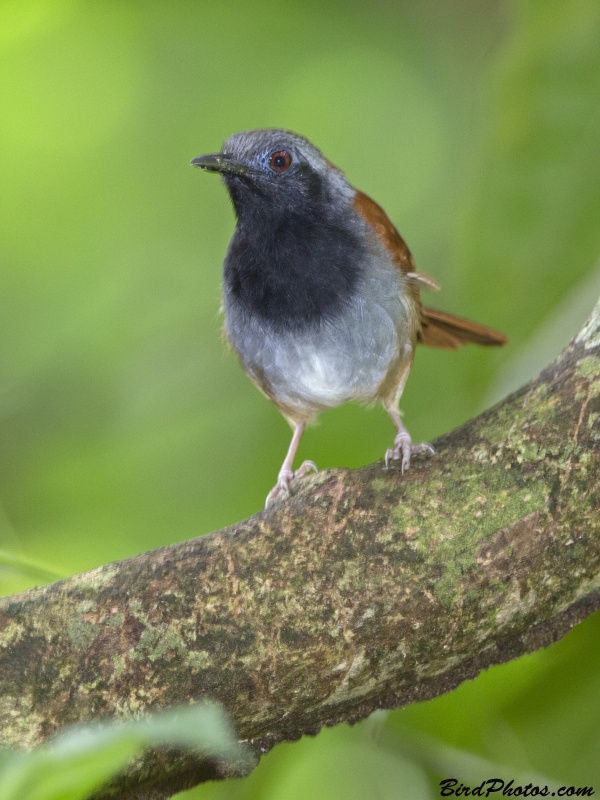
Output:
x=403 y=446
x=286 y=473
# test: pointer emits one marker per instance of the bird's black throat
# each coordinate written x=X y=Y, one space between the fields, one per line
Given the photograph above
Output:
x=292 y=265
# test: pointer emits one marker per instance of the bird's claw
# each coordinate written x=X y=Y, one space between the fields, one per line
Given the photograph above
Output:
x=281 y=490
x=404 y=448
x=304 y=468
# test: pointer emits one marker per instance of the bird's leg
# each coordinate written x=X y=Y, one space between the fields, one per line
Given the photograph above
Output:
x=403 y=446
x=286 y=473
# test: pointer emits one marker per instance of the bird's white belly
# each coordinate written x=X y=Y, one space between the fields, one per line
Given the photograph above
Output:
x=321 y=377
x=347 y=357
x=309 y=375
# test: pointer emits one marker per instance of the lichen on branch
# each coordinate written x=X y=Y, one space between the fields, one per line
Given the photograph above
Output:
x=366 y=589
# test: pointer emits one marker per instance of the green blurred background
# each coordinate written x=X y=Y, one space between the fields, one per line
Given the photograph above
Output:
x=125 y=424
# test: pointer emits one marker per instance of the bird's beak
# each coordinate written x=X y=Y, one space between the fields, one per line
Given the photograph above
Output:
x=217 y=162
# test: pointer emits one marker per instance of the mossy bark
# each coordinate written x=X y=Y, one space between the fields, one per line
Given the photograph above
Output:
x=366 y=589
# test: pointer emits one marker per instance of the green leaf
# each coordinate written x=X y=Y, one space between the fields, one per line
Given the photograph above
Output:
x=29 y=567
x=83 y=758
x=48 y=775
x=354 y=771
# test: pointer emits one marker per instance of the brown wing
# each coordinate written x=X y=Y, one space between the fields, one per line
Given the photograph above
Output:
x=384 y=228
x=438 y=329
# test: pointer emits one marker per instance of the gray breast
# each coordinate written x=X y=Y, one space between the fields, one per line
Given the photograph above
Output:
x=345 y=357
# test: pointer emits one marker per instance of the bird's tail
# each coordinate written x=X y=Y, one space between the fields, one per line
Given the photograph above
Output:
x=439 y=329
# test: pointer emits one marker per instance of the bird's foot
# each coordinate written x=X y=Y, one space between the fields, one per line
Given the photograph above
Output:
x=281 y=490
x=404 y=449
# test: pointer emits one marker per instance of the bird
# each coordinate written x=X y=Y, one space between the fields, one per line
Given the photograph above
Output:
x=321 y=296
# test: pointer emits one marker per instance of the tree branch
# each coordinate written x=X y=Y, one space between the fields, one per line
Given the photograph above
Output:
x=366 y=589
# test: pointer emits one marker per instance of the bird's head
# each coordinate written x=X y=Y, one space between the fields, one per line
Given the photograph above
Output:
x=271 y=169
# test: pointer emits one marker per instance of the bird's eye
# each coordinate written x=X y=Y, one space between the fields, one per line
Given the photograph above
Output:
x=280 y=161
